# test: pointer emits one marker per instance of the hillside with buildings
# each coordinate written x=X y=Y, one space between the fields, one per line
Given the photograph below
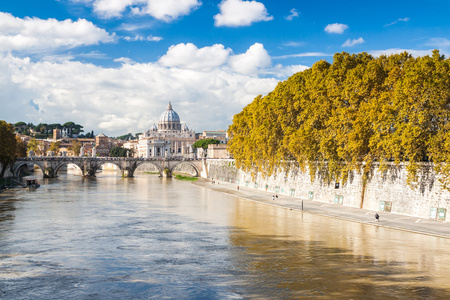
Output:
x=169 y=138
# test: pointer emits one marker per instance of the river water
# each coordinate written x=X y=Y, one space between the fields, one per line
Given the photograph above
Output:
x=153 y=238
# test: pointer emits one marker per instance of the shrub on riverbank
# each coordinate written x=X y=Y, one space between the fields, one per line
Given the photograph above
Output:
x=185 y=178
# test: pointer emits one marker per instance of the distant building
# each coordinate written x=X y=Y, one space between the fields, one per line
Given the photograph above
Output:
x=56 y=134
x=133 y=145
x=218 y=151
x=169 y=139
x=220 y=135
x=87 y=144
x=102 y=145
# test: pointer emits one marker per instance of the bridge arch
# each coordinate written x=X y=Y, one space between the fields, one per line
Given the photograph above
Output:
x=50 y=166
x=197 y=172
x=100 y=163
x=66 y=163
x=146 y=162
x=19 y=166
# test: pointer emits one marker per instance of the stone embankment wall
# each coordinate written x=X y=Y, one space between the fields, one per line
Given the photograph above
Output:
x=382 y=192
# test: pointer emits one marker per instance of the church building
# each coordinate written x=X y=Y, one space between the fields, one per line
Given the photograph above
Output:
x=169 y=139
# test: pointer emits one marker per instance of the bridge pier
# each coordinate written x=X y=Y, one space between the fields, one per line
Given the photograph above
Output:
x=88 y=169
x=49 y=173
x=88 y=173
x=167 y=173
x=128 y=173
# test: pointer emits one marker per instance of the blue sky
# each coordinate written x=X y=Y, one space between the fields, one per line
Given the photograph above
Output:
x=113 y=65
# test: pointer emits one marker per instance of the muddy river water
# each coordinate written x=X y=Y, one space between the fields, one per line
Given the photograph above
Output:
x=153 y=238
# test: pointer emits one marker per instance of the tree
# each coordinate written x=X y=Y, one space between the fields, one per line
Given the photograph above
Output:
x=73 y=128
x=32 y=145
x=118 y=152
x=204 y=143
x=8 y=144
x=21 y=148
x=76 y=147
x=55 y=147
x=342 y=117
x=125 y=137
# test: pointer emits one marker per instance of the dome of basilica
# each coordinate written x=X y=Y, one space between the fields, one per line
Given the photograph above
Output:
x=169 y=115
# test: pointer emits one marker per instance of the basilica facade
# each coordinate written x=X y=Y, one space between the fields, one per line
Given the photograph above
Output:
x=169 y=139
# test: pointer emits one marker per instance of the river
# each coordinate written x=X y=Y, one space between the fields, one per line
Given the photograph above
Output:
x=153 y=238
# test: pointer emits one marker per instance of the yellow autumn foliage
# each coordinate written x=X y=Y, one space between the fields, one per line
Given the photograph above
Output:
x=342 y=117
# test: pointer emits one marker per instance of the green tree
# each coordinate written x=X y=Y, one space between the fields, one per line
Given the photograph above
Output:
x=8 y=145
x=73 y=128
x=118 y=152
x=204 y=143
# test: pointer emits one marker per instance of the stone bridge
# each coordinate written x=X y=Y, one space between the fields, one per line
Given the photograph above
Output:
x=50 y=165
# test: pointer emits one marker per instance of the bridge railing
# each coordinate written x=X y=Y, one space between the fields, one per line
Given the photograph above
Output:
x=78 y=158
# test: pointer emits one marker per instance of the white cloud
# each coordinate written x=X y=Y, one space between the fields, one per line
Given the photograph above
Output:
x=140 y=38
x=210 y=82
x=353 y=42
x=294 y=14
x=166 y=10
x=235 y=13
x=188 y=56
x=415 y=53
x=396 y=21
x=281 y=71
x=32 y=35
x=442 y=43
x=305 y=54
x=256 y=58
x=111 y=8
x=336 y=28
x=294 y=44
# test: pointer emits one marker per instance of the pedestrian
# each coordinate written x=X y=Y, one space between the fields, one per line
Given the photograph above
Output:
x=273 y=197
x=276 y=196
x=377 y=216
x=238 y=188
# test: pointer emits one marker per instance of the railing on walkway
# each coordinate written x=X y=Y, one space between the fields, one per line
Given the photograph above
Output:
x=73 y=158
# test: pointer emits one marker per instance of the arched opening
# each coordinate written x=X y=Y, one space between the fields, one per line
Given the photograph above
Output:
x=185 y=168
x=69 y=168
x=28 y=169
x=108 y=168
x=147 y=168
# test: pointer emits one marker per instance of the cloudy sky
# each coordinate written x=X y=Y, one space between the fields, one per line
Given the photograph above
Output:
x=113 y=65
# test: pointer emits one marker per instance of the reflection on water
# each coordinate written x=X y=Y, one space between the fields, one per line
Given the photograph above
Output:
x=147 y=237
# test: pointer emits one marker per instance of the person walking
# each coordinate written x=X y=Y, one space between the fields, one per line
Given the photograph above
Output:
x=377 y=216
x=273 y=197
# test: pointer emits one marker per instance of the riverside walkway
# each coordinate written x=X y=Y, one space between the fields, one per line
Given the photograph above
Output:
x=388 y=220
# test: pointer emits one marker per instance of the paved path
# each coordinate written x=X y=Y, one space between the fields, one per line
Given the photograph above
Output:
x=389 y=220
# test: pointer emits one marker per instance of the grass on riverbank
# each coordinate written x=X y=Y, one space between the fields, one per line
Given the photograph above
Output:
x=185 y=178
x=152 y=173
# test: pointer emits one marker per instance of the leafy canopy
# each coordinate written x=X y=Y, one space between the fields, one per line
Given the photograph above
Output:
x=8 y=146
x=341 y=117
x=204 y=143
